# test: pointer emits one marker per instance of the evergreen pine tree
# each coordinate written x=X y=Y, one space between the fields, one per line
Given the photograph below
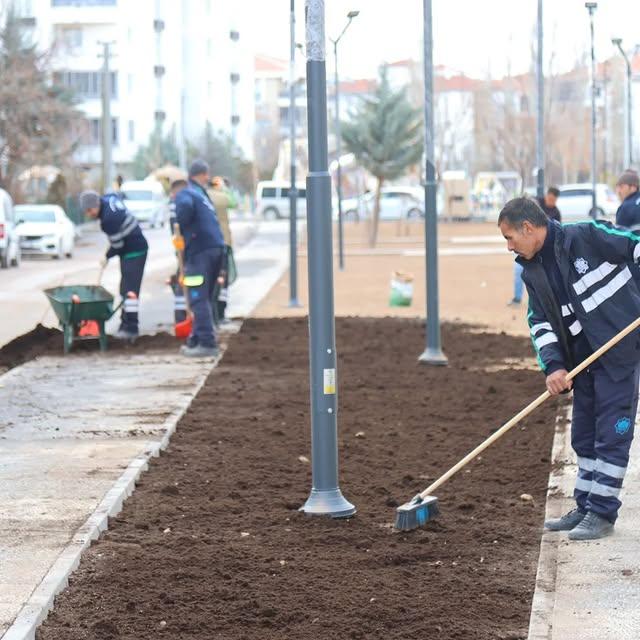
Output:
x=385 y=135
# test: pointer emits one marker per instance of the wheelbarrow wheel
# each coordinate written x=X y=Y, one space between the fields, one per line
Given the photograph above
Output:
x=68 y=337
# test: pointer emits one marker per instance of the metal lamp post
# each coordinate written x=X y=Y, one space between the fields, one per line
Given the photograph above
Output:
x=628 y=110
x=540 y=108
x=351 y=15
x=326 y=497
x=293 y=191
x=591 y=7
x=433 y=351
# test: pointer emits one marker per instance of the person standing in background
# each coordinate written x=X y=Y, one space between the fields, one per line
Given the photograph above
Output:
x=223 y=200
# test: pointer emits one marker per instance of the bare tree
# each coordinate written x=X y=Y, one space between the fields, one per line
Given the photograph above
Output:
x=38 y=122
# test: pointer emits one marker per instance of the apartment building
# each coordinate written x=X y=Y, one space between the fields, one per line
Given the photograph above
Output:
x=174 y=65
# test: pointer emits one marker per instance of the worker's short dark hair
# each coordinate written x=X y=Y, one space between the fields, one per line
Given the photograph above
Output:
x=176 y=184
x=630 y=178
x=554 y=191
x=522 y=209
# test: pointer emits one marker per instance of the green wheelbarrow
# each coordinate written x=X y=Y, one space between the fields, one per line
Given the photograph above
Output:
x=77 y=305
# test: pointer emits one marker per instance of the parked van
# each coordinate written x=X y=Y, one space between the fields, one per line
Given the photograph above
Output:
x=272 y=200
x=147 y=201
x=9 y=240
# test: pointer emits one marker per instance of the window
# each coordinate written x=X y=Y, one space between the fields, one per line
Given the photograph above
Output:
x=83 y=3
x=69 y=37
x=95 y=131
x=132 y=130
x=85 y=84
x=269 y=192
x=284 y=192
x=302 y=193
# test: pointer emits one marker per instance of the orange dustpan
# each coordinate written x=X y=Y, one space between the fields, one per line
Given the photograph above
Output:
x=183 y=329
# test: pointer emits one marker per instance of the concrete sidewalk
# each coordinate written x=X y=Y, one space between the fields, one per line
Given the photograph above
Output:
x=588 y=590
x=76 y=433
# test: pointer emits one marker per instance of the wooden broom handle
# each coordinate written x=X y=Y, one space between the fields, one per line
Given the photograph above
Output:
x=185 y=293
x=528 y=409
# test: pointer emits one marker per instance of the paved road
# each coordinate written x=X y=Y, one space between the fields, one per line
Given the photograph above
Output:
x=24 y=305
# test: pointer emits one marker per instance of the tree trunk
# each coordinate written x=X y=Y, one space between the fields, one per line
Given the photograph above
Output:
x=375 y=219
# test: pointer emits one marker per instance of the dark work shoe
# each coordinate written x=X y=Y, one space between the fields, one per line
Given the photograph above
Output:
x=199 y=351
x=514 y=302
x=591 y=527
x=567 y=522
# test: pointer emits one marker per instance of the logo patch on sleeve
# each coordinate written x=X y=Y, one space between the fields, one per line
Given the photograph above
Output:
x=623 y=425
x=581 y=265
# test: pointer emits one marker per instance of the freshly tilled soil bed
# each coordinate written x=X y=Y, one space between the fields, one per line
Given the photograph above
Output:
x=47 y=341
x=211 y=544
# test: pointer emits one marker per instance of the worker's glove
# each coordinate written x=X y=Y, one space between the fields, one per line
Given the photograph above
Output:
x=178 y=243
x=103 y=262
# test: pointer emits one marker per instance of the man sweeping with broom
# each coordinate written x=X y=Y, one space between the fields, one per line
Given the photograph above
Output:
x=581 y=294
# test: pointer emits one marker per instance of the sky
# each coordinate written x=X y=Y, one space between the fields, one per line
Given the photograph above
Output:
x=476 y=37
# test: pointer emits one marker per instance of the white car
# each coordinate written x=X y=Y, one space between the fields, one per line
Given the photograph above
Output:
x=272 y=200
x=575 y=201
x=147 y=201
x=45 y=229
x=396 y=203
x=9 y=241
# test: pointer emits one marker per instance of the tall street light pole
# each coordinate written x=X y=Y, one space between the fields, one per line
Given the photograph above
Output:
x=351 y=15
x=628 y=108
x=591 y=7
x=326 y=497
x=540 y=108
x=433 y=351
x=293 y=191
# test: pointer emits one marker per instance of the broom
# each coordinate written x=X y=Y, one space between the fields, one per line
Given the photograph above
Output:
x=424 y=506
x=183 y=328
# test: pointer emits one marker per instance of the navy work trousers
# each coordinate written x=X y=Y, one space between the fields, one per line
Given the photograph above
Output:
x=604 y=414
x=201 y=273
x=131 y=272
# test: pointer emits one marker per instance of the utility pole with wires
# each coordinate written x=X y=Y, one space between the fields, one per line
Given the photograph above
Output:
x=107 y=125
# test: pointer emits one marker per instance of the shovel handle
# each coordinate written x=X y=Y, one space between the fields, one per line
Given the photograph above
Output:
x=528 y=409
x=176 y=232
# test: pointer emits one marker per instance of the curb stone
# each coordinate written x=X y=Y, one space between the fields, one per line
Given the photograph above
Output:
x=559 y=490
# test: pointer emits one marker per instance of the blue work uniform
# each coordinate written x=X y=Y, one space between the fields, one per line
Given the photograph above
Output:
x=581 y=294
x=628 y=213
x=127 y=241
x=203 y=254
